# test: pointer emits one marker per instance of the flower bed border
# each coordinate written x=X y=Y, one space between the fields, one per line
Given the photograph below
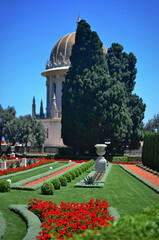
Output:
x=97 y=184
x=32 y=221
x=2 y=225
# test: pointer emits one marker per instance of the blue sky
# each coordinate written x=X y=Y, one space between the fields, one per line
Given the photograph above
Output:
x=29 y=30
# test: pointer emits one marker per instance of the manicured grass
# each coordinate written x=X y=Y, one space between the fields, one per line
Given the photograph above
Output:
x=37 y=171
x=121 y=190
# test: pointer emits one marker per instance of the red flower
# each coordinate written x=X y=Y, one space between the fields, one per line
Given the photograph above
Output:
x=69 y=218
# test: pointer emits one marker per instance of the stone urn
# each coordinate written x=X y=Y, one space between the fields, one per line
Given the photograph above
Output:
x=12 y=154
x=101 y=162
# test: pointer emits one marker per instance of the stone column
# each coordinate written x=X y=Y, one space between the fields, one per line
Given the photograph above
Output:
x=24 y=162
x=47 y=98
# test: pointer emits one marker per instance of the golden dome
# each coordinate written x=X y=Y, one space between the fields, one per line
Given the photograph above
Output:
x=60 y=54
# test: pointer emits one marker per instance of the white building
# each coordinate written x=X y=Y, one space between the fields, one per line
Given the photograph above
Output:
x=56 y=69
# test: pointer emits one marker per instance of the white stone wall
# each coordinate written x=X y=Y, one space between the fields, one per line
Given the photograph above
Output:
x=54 y=132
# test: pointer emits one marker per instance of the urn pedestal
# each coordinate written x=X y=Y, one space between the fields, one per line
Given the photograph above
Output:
x=101 y=162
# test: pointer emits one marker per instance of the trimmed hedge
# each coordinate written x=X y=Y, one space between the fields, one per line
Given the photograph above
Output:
x=144 y=226
x=123 y=159
x=4 y=186
x=2 y=225
x=72 y=174
x=68 y=177
x=47 y=188
x=56 y=183
x=150 y=151
x=63 y=181
x=33 y=222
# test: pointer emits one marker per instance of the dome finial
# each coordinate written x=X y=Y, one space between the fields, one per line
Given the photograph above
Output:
x=78 y=19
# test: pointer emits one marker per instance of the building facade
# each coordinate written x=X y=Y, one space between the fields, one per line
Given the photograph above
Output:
x=55 y=71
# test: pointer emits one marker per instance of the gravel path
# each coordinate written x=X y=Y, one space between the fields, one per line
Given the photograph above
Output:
x=150 y=177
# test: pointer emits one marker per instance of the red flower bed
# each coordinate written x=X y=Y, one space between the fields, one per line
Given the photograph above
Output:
x=136 y=162
x=33 y=165
x=41 y=161
x=67 y=219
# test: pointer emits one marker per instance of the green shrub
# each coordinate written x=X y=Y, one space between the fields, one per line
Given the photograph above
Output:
x=73 y=175
x=63 y=181
x=144 y=226
x=123 y=159
x=134 y=159
x=11 y=165
x=76 y=172
x=17 y=164
x=31 y=160
x=4 y=186
x=79 y=170
x=47 y=188
x=56 y=183
x=68 y=177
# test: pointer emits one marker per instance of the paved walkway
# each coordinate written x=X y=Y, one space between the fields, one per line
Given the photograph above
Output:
x=150 y=177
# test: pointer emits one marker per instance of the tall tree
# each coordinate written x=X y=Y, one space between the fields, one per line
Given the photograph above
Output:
x=91 y=100
x=41 y=110
x=85 y=75
x=97 y=100
x=153 y=124
x=6 y=115
x=31 y=131
x=39 y=134
x=122 y=68
x=13 y=130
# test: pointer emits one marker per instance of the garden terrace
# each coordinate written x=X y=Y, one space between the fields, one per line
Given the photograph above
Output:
x=121 y=190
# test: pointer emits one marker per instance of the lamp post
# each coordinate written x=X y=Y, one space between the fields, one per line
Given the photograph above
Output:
x=107 y=142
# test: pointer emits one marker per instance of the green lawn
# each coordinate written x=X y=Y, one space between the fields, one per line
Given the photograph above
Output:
x=122 y=191
x=35 y=171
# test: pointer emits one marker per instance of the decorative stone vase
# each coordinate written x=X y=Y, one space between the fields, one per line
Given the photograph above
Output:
x=100 y=149
x=101 y=162
x=12 y=154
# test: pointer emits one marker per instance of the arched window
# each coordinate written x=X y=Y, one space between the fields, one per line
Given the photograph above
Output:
x=47 y=133
x=54 y=89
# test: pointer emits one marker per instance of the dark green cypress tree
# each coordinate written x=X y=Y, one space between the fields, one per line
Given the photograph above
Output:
x=122 y=68
x=41 y=110
x=94 y=105
x=87 y=76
